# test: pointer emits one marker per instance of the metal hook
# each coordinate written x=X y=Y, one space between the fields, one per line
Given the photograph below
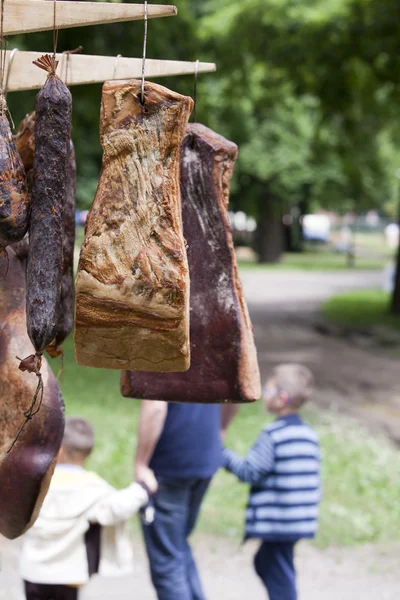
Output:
x=11 y=57
x=116 y=65
x=196 y=76
x=144 y=51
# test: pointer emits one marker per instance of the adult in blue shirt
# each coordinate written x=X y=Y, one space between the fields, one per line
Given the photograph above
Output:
x=181 y=443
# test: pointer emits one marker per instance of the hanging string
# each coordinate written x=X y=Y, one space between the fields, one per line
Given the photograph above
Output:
x=68 y=53
x=31 y=364
x=47 y=62
x=144 y=51
x=55 y=32
x=116 y=65
x=10 y=62
x=196 y=76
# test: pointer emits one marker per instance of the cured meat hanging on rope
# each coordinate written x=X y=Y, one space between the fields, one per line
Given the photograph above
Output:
x=45 y=252
x=132 y=287
x=25 y=472
x=49 y=198
x=25 y=141
x=224 y=360
x=14 y=197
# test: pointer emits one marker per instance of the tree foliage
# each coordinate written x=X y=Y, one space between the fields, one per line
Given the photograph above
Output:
x=308 y=89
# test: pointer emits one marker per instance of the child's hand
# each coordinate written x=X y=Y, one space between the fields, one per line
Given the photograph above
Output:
x=147 y=476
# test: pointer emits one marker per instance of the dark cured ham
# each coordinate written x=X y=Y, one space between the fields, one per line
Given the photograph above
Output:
x=224 y=361
x=26 y=470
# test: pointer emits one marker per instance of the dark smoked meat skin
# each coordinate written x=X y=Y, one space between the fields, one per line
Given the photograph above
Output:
x=25 y=141
x=216 y=316
x=49 y=191
x=14 y=197
x=66 y=307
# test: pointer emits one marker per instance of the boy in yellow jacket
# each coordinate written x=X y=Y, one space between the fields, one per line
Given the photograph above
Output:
x=81 y=528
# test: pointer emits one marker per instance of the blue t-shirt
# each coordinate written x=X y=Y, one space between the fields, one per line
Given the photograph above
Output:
x=190 y=444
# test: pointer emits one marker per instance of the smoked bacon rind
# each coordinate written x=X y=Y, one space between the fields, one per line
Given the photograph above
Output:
x=25 y=472
x=14 y=197
x=224 y=359
x=49 y=191
x=132 y=287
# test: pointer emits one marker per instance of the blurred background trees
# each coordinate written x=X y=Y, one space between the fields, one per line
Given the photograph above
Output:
x=308 y=89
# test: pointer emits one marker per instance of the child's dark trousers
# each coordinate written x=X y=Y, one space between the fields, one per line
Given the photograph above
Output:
x=40 y=591
x=274 y=564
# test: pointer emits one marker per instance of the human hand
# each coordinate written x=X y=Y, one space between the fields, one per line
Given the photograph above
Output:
x=146 y=475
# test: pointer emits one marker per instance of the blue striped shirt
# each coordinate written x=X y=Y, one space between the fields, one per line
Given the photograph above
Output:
x=283 y=468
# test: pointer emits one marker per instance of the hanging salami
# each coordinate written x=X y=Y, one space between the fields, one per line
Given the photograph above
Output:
x=25 y=472
x=14 y=197
x=132 y=287
x=224 y=360
x=49 y=196
x=25 y=142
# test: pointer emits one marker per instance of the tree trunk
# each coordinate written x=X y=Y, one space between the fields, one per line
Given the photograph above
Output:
x=395 y=305
x=269 y=237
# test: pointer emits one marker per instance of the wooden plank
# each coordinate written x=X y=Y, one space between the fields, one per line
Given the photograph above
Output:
x=23 y=16
x=84 y=69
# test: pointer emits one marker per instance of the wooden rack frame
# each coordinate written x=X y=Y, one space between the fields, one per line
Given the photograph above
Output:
x=80 y=69
x=27 y=16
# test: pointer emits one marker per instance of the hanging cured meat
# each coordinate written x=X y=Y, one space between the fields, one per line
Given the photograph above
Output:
x=224 y=361
x=25 y=142
x=14 y=197
x=132 y=287
x=49 y=194
x=25 y=472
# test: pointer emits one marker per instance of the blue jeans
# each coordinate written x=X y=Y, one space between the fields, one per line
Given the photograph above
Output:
x=172 y=567
x=274 y=564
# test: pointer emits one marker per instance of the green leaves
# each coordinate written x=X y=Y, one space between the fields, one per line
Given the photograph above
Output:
x=310 y=92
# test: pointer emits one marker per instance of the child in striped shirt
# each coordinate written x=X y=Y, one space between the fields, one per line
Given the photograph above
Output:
x=283 y=468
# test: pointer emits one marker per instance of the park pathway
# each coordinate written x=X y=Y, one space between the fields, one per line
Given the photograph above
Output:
x=368 y=573
x=353 y=378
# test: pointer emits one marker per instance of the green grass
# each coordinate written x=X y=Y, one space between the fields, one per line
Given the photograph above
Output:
x=361 y=472
x=363 y=308
x=319 y=260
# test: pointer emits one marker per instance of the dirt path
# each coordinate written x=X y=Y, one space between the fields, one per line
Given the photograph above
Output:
x=361 y=381
x=367 y=573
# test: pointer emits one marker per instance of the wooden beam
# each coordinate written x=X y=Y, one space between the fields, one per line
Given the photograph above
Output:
x=84 y=69
x=23 y=16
